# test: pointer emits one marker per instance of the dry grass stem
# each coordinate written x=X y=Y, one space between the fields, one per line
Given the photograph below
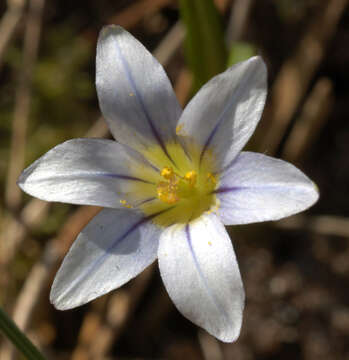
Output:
x=134 y=13
x=322 y=224
x=310 y=122
x=170 y=44
x=183 y=86
x=296 y=73
x=9 y=23
x=239 y=17
x=210 y=347
x=23 y=101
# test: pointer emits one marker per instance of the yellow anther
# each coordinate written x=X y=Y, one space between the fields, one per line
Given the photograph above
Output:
x=191 y=177
x=167 y=172
x=125 y=204
x=211 y=178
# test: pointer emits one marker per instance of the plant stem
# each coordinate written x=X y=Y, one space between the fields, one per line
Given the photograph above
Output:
x=17 y=337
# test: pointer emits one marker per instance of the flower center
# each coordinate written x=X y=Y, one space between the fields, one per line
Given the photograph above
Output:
x=183 y=188
x=175 y=187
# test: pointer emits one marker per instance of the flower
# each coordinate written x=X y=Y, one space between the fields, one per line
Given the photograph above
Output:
x=168 y=184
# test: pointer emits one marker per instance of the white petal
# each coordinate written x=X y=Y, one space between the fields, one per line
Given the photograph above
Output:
x=134 y=92
x=225 y=112
x=86 y=171
x=257 y=188
x=200 y=272
x=112 y=249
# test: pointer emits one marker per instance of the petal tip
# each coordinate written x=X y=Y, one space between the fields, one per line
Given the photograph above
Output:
x=23 y=177
x=316 y=193
x=58 y=300
x=231 y=333
x=57 y=304
x=106 y=32
x=260 y=64
x=313 y=193
x=256 y=63
x=110 y=29
x=230 y=337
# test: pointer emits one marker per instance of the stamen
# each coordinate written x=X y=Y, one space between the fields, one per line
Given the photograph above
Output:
x=167 y=172
x=191 y=177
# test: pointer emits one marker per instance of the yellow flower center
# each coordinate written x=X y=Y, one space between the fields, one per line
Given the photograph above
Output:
x=182 y=190
x=175 y=187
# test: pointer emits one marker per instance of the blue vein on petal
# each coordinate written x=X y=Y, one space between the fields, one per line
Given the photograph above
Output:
x=95 y=175
x=203 y=278
x=147 y=201
x=236 y=95
x=227 y=189
x=93 y=266
x=126 y=177
x=141 y=102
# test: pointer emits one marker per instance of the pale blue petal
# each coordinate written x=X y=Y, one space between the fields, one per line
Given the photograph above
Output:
x=225 y=112
x=86 y=171
x=135 y=95
x=199 y=269
x=112 y=249
x=258 y=188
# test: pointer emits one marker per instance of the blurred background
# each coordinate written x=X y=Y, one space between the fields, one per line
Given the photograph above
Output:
x=295 y=271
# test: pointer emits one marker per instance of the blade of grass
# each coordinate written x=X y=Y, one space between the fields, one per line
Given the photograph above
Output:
x=19 y=340
x=204 y=45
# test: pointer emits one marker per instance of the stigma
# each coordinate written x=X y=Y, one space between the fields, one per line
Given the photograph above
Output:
x=175 y=187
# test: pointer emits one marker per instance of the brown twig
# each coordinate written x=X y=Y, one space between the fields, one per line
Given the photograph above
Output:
x=310 y=121
x=170 y=43
x=134 y=13
x=324 y=225
x=238 y=20
x=210 y=346
x=22 y=102
x=297 y=72
x=183 y=86
x=9 y=23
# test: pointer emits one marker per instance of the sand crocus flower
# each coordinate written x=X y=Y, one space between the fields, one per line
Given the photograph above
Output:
x=168 y=185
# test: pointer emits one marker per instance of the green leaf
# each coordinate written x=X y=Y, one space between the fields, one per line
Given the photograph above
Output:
x=240 y=51
x=17 y=337
x=205 y=49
